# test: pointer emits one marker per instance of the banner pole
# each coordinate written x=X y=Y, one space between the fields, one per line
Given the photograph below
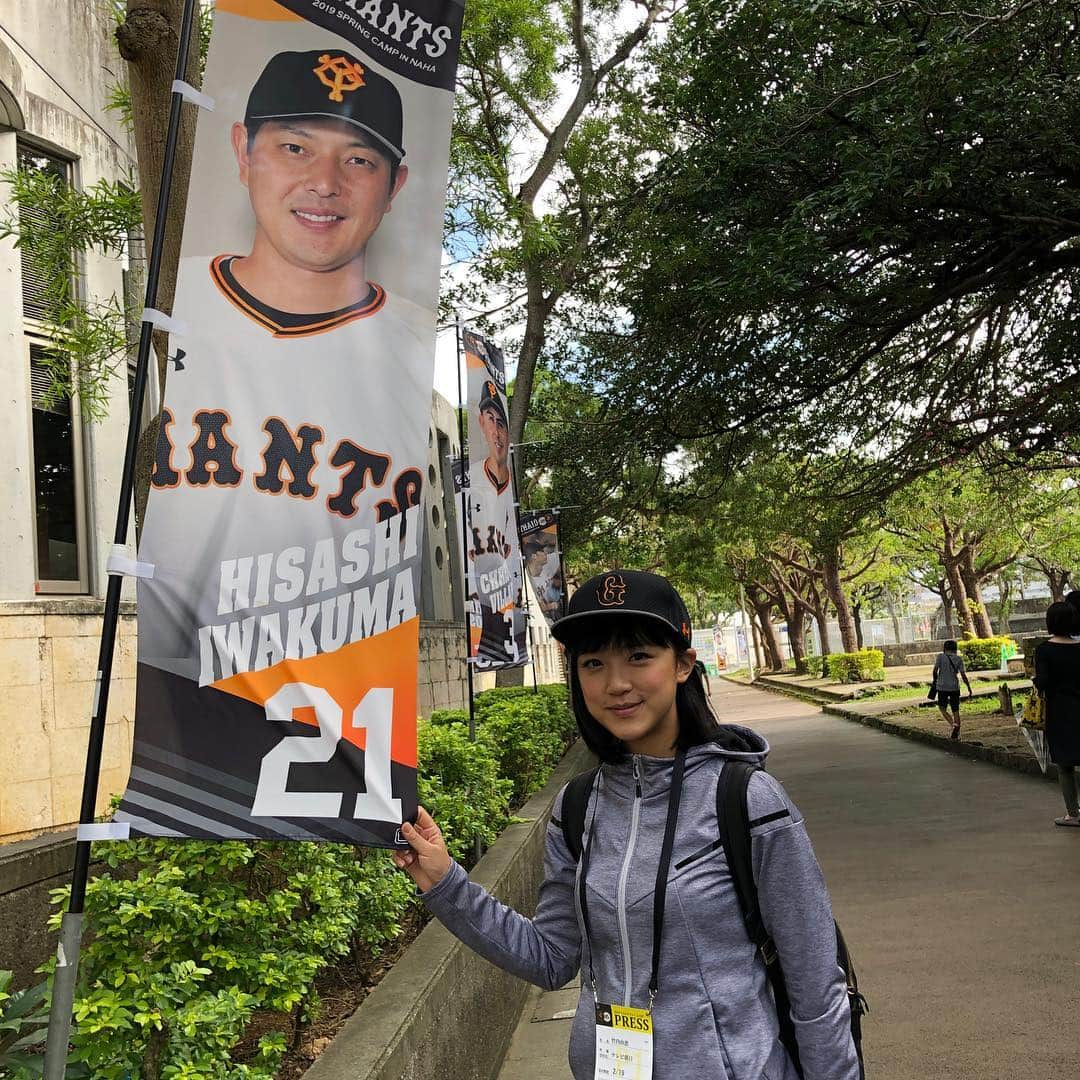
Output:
x=524 y=572
x=462 y=406
x=67 y=956
x=562 y=565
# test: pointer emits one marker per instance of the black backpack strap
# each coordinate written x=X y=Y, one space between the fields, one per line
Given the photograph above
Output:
x=733 y=822
x=575 y=805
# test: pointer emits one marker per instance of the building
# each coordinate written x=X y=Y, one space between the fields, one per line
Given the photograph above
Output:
x=59 y=493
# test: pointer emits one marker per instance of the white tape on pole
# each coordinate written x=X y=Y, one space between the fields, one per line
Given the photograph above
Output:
x=104 y=830
x=119 y=562
x=163 y=321
x=189 y=93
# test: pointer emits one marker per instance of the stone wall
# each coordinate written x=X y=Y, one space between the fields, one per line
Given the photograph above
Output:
x=48 y=660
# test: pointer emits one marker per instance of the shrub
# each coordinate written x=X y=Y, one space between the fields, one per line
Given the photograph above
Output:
x=191 y=938
x=197 y=936
x=460 y=786
x=814 y=665
x=982 y=654
x=866 y=665
x=527 y=733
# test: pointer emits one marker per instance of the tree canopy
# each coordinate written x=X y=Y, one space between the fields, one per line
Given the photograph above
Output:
x=867 y=235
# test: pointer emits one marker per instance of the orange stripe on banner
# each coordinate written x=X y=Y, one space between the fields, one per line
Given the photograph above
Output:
x=388 y=659
x=473 y=362
x=266 y=10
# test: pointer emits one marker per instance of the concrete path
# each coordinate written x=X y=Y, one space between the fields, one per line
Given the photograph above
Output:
x=958 y=897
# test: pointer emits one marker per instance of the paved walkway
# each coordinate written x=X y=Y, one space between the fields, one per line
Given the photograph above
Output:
x=956 y=894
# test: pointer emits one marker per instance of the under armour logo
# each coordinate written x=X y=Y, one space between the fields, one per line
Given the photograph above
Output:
x=612 y=590
x=340 y=74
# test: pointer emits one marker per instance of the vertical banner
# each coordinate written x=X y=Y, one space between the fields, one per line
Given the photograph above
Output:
x=278 y=633
x=492 y=556
x=540 y=552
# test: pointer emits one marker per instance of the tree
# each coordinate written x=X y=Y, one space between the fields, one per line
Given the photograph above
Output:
x=547 y=122
x=867 y=234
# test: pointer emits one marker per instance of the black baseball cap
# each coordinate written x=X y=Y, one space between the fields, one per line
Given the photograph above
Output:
x=626 y=592
x=490 y=399
x=328 y=84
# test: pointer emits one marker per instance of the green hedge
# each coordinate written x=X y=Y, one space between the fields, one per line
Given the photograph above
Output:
x=814 y=665
x=866 y=665
x=189 y=940
x=984 y=654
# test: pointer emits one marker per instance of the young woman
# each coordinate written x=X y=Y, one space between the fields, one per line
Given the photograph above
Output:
x=1057 y=675
x=641 y=708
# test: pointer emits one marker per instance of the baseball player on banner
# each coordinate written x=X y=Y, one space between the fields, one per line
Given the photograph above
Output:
x=493 y=559
x=278 y=636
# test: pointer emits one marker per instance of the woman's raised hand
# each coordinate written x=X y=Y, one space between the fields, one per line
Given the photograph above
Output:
x=428 y=862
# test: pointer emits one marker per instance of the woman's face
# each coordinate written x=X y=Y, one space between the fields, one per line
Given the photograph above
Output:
x=631 y=693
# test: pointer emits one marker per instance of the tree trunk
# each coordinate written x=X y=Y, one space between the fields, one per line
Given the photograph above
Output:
x=856 y=614
x=797 y=637
x=983 y=627
x=890 y=606
x=148 y=39
x=770 y=639
x=947 y=608
x=959 y=596
x=1056 y=578
x=821 y=617
x=759 y=663
x=1004 y=603
x=835 y=588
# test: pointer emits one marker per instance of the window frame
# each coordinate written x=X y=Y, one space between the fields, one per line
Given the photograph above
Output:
x=34 y=334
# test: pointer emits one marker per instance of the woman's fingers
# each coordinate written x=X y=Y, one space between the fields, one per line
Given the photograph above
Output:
x=418 y=841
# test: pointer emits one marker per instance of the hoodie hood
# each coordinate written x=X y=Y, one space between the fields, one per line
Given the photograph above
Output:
x=734 y=742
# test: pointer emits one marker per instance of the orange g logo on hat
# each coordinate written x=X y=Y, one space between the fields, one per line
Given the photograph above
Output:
x=339 y=74
x=612 y=590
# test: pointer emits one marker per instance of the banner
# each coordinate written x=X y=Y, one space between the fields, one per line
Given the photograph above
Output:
x=492 y=556
x=539 y=531
x=709 y=646
x=278 y=635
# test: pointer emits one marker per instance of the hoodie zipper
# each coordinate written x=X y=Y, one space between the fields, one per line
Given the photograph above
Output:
x=624 y=875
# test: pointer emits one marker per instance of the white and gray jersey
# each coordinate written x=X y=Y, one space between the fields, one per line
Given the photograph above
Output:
x=285 y=442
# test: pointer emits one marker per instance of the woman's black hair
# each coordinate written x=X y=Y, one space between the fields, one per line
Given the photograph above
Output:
x=1062 y=620
x=697 y=724
x=1073 y=598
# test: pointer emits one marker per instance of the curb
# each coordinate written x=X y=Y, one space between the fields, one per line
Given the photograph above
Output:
x=442 y=1010
x=1006 y=759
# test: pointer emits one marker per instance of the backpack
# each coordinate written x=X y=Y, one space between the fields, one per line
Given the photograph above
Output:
x=734 y=822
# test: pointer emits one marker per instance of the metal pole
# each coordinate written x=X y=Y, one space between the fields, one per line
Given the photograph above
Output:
x=464 y=459
x=67 y=954
x=562 y=565
x=524 y=573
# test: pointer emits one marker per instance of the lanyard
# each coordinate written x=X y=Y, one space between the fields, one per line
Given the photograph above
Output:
x=660 y=889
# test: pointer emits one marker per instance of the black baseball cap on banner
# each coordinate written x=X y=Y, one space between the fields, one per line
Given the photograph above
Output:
x=329 y=85
x=626 y=592
x=489 y=399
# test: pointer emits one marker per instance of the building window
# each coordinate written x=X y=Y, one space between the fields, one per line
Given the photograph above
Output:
x=59 y=503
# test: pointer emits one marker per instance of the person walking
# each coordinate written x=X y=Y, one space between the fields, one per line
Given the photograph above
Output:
x=1057 y=677
x=649 y=914
x=703 y=671
x=948 y=670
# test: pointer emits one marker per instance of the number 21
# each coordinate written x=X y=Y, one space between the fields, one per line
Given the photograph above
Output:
x=374 y=713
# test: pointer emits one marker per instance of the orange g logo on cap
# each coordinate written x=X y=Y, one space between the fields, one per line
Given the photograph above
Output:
x=612 y=591
x=339 y=74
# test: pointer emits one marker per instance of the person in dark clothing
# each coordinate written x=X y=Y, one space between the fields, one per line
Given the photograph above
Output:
x=948 y=669
x=1073 y=598
x=1057 y=676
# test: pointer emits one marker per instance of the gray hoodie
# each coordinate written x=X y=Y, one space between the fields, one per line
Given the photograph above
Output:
x=713 y=1016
